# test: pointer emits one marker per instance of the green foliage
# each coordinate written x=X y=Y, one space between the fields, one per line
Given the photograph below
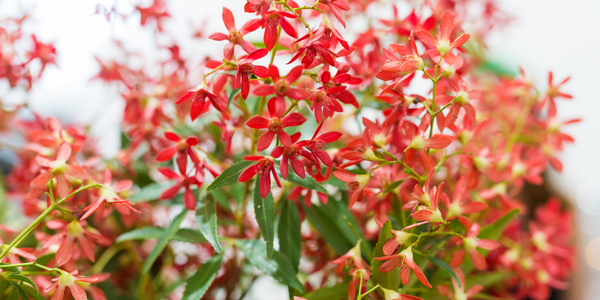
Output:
x=182 y=235
x=206 y=218
x=278 y=266
x=265 y=216
x=229 y=176
x=289 y=233
x=163 y=240
x=199 y=283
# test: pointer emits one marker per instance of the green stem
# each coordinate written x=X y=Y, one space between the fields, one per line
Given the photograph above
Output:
x=39 y=219
x=276 y=45
x=371 y=290
x=360 y=287
x=33 y=263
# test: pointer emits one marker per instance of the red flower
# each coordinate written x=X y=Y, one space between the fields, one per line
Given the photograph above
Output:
x=417 y=145
x=316 y=145
x=264 y=166
x=355 y=256
x=183 y=180
x=271 y=20
x=183 y=148
x=46 y=53
x=290 y=155
x=245 y=69
x=455 y=209
x=312 y=50
x=400 y=66
x=470 y=243
x=355 y=182
x=430 y=213
x=553 y=92
x=405 y=260
x=327 y=35
x=108 y=196
x=461 y=97
x=282 y=87
x=67 y=284
x=59 y=169
x=356 y=279
x=334 y=5
x=400 y=237
x=69 y=232
x=276 y=124
x=235 y=37
x=443 y=46
x=199 y=95
x=157 y=11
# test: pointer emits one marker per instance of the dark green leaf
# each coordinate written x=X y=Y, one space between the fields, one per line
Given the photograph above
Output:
x=444 y=266
x=265 y=216
x=321 y=219
x=389 y=280
x=308 y=182
x=19 y=277
x=229 y=176
x=150 y=192
x=289 y=233
x=336 y=292
x=494 y=230
x=33 y=293
x=392 y=186
x=20 y=290
x=278 y=266
x=163 y=240
x=183 y=235
x=231 y=96
x=198 y=284
x=206 y=218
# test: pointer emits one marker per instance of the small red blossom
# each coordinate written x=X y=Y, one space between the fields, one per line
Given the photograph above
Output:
x=108 y=197
x=275 y=124
x=183 y=149
x=67 y=284
x=443 y=46
x=59 y=168
x=245 y=69
x=404 y=259
x=66 y=237
x=199 y=95
x=264 y=167
x=183 y=180
x=282 y=86
x=235 y=37
x=355 y=182
x=271 y=20
x=470 y=244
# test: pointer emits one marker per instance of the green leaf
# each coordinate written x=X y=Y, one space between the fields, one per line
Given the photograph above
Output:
x=206 y=218
x=277 y=266
x=494 y=230
x=150 y=192
x=487 y=279
x=198 y=284
x=392 y=186
x=229 y=176
x=231 y=96
x=337 y=226
x=289 y=233
x=33 y=293
x=182 y=235
x=19 y=277
x=20 y=290
x=163 y=240
x=265 y=216
x=389 y=280
x=336 y=292
x=444 y=266
x=308 y=182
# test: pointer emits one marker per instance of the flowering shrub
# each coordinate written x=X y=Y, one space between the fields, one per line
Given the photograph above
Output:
x=218 y=184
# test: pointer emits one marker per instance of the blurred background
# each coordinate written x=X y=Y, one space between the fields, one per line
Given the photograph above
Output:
x=549 y=35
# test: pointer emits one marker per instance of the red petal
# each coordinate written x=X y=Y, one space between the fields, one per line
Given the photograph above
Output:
x=293 y=119
x=473 y=207
x=166 y=154
x=446 y=26
x=257 y=122
x=228 y=19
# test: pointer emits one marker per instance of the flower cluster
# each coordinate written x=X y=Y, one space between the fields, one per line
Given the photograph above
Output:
x=425 y=181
